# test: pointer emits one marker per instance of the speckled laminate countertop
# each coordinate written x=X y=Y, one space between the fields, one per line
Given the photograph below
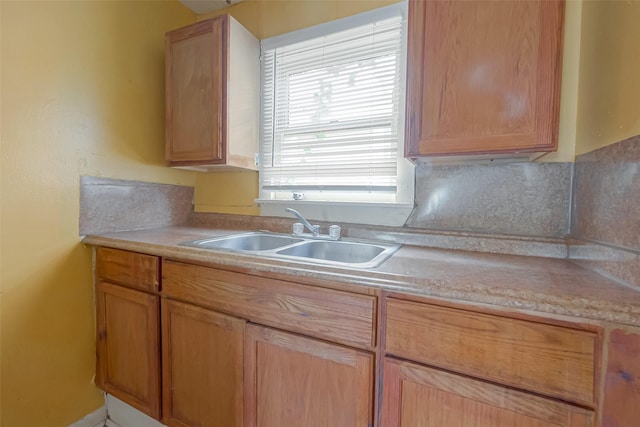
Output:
x=544 y=285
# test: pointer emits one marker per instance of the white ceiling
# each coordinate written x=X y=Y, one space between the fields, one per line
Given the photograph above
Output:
x=206 y=6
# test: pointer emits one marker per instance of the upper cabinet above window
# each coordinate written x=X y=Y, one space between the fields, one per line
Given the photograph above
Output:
x=212 y=95
x=483 y=77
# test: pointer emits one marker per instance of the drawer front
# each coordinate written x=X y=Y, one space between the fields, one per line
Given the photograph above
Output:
x=128 y=268
x=323 y=313
x=551 y=360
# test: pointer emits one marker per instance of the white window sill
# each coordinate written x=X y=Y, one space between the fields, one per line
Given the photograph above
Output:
x=394 y=214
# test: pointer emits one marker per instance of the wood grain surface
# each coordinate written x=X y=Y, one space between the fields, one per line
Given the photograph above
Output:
x=128 y=268
x=128 y=346
x=416 y=395
x=552 y=360
x=328 y=314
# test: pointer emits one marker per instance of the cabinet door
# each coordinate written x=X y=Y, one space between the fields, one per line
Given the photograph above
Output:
x=296 y=381
x=202 y=361
x=621 y=391
x=483 y=76
x=552 y=360
x=128 y=346
x=196 y=80
x=414 y=395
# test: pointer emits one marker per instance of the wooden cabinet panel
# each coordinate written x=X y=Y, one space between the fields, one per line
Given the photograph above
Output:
x=128 y=346
x=549 y=359
x=324 y=313
x=196 y=75
x=202 y=369
x=621 y=394
x=483 y=76
x=296 y=381
x=128 y=268
x=212 y=95
x=415 y=395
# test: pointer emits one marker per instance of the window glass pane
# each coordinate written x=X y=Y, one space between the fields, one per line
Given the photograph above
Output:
x=331 y=108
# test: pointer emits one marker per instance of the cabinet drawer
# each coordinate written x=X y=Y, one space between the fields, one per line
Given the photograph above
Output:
x=324 y=313
x=128 y=268
x=551 y=360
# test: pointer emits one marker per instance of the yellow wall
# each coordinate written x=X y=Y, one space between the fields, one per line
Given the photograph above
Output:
x=235 y=192
x=82 y=93
x=227 y=192
x=609 y=92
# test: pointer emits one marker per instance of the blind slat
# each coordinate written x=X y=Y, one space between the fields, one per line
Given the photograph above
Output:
x=331 y=111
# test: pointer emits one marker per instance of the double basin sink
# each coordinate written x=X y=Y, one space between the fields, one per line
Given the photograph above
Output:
x=287 y=247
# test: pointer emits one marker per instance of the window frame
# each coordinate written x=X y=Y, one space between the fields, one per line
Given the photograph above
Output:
x=351 y=209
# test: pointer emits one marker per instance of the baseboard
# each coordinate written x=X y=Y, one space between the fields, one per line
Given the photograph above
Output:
x=97 y=418
x=123 y=415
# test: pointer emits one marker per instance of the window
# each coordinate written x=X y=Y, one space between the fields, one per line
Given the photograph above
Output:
x=332 y=111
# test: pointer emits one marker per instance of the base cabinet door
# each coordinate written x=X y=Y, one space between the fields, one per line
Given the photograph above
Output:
x=128 y=346
x=415 y=395
x=298 y=381
x=202 y=357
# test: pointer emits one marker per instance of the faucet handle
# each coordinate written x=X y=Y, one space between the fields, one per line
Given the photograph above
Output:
x=334 y=231
x=298 y=228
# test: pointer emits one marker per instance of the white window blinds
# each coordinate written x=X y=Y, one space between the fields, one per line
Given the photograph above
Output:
x=331 y=112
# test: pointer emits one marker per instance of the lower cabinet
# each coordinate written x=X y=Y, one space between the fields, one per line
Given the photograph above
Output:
x=297 y=381
x=416 y=395
x=214 y=348
x=167 y=350
x=202 y=367
x=128 y=346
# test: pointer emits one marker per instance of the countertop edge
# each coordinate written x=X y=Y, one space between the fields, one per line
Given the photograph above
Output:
x=539 y=303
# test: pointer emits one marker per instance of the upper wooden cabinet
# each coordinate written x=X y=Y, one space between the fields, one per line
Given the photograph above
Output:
x=212 y=95
x=483 y=77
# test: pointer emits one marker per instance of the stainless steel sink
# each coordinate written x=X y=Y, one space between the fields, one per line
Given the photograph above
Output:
x=358 y=254
x=282 y=246
x=251 y=242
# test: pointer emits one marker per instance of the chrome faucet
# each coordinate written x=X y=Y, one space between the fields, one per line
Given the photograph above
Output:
x=334 y=230
x=314 y=229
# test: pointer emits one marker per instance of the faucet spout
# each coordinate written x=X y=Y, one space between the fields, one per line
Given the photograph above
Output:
x=314 y=229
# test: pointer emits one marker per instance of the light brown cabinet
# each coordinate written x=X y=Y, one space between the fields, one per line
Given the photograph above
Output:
x=128 y=346
x=129 y=269
x=620 y=391
x=553 y=360
x=202 y=367
x=312 y=364
x=212 y=95
x=455 y=367
x=483 y=77
x=327 y=314
x=289 y=379
x=297 y=381
x=128 y=328
x=416 y=395
x=206 y=346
